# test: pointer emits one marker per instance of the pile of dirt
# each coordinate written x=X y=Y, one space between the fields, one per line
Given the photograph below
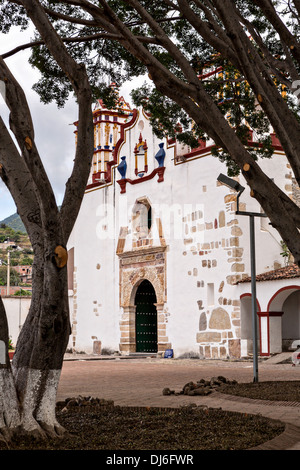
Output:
x=286 y=391
x=201 y=387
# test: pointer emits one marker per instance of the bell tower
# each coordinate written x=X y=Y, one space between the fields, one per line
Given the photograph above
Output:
x=107 y=132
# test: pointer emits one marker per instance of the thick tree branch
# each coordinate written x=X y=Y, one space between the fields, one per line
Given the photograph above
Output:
x=167 y=43
x=79 y=80
x=286 y=36
x=4 y=334
x=297 y=6
x=263 y=85
x=18 y=180
x=222 y=43
x=279 y=66
x=233 y=43
x=77 y=40
x=132 y=45
x=22 y=127
x=205 y=113
x=96 y=13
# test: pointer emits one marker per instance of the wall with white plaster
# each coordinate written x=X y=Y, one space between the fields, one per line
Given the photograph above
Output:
x=199 y=251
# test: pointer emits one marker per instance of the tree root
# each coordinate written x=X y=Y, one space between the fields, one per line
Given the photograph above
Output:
x=41 y=432
x=55 y=431
x=6 y=436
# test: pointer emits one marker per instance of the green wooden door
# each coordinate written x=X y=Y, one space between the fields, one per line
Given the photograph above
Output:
x=146 y=318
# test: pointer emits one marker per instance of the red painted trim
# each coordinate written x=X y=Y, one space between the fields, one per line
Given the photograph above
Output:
x=93 y=185
x=267 y=315
x=276 y=314
x=159 y=171
x=256 y=144
x=209 y=74
x=201 y=151
x=96 y=113
x=104 y=112
x=278 y=292
x=97 y=176
x=114 y=161
x=275 y=140
x=250 y=295
x=260 y=315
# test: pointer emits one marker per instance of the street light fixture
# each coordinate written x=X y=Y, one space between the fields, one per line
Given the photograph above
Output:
x=232 y=184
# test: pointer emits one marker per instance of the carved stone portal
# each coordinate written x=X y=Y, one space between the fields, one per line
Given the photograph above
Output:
x=142 y=261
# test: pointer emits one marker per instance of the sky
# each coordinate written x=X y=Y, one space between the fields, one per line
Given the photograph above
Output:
x=54 y=129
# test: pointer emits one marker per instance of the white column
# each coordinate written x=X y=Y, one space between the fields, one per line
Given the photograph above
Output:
x=275 y=328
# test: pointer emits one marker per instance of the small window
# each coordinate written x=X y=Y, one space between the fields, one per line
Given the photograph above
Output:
x=210 y=294
x=149 y=217
x=142 y=218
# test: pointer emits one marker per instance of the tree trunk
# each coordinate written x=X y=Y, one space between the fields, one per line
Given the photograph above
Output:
x=29 y=386
x=9 y=407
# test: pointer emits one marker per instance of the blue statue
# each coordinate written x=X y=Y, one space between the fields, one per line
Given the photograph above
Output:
x=160 y=156
x=122 y=167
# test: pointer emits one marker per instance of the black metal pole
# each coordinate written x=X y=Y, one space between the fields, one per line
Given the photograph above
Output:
x=237 y=187
x=253 y=298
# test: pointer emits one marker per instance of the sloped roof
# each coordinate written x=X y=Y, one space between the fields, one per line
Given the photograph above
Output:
x=287 y=272
x=121 y=104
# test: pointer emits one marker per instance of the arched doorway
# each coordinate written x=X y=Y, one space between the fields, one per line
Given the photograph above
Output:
x=146 y=318
x=291 y=320
x=286 y=302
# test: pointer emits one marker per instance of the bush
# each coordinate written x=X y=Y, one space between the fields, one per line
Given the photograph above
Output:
x=23 y=292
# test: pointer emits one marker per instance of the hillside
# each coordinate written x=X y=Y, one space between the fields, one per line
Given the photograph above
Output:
x=14 y=221
x=23 y=255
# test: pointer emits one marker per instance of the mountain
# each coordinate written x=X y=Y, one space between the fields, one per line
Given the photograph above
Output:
x=14 y=221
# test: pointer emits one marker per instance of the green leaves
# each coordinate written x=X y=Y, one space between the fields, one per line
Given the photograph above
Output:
x=83 y=29
x=12 y=14
x=166 y=117
x=234 y=98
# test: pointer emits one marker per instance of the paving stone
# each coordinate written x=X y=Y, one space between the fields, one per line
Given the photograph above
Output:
x=139 y=382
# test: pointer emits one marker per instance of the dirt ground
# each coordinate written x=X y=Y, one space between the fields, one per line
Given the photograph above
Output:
x=97 y=424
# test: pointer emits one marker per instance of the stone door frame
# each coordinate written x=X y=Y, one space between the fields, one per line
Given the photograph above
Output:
x=135 y=267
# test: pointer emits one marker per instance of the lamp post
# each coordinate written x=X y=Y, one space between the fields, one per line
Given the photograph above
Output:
x=232 y=184
x=8 y=273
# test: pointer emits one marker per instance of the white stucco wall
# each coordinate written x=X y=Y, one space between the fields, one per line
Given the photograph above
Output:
x=16 y=311
x=202 y=256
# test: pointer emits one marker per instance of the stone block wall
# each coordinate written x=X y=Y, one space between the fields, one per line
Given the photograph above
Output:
x=217 y=264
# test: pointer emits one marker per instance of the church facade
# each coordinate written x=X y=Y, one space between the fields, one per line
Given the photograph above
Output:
x=159 y=260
